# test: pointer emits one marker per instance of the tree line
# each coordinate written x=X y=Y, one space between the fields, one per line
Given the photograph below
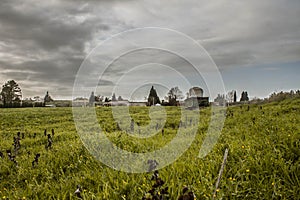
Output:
x=231 y=98
x=11 y=97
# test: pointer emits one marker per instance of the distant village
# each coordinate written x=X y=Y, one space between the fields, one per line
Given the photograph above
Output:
x=174 y=97
x=11 y=97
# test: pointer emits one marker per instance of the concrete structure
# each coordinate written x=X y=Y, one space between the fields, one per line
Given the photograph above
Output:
x=196 y=102
x=196 y=99
x=196 y=92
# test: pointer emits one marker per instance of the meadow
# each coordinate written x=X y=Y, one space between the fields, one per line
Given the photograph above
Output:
x=263 y=160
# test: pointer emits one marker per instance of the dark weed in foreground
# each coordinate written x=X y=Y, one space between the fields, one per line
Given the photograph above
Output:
x=264 y=157
x=157 y=192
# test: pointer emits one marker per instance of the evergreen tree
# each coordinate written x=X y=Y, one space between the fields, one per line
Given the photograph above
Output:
x=244 y=96
x=47 y=98
x=113 y=98
x=120 y=98
x=234 y=97
x=153 y=97
x=92 y=99
x=106 y=99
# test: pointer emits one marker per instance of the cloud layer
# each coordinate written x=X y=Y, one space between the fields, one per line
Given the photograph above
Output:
x=43 y=43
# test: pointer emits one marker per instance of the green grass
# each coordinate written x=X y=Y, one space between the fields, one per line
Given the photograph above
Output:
x=263 y=160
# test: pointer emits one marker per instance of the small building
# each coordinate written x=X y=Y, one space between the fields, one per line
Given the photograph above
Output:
x=119 y=103
x=196 y=92
x=80 y=102
x=137 y=103
x=196 y=99
x=196 y=102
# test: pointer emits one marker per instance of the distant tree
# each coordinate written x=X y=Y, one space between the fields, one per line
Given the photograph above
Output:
x=220 y=99
x=107 y=99
x=113 y=98
x=153 y=97
x=11 y=94
x=120 y=98
x=230 y=96
x=283 y=95
x=187 y=95
x=80 y=99
x=234 y=97
x=173 y=95
x=47 y=98
x=244 y=96
x=37 y=98
x=99 y=98
x=92 y=99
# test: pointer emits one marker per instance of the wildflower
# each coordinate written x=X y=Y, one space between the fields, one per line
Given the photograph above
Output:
x=217 y=190
x=273 y=183
x=247 y=170
x=243 y=146
x=78 y=192
x=230 y=179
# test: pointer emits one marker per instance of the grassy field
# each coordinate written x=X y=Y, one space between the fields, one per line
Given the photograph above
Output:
x=263 y=160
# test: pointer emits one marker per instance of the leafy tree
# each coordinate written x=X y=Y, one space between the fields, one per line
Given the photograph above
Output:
x=36 y=98
x=153 y=97
x=99 y=98
x=230 y=96
x=11 y=94
x=244 y=96
x=173 y=95
x=283 y=95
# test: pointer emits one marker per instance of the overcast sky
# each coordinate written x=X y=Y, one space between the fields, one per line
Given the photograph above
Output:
x=255 y=44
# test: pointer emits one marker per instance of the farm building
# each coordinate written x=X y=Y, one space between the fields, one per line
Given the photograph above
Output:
x=195 y=98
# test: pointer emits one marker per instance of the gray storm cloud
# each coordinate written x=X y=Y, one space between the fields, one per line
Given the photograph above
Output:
x=42 y=44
